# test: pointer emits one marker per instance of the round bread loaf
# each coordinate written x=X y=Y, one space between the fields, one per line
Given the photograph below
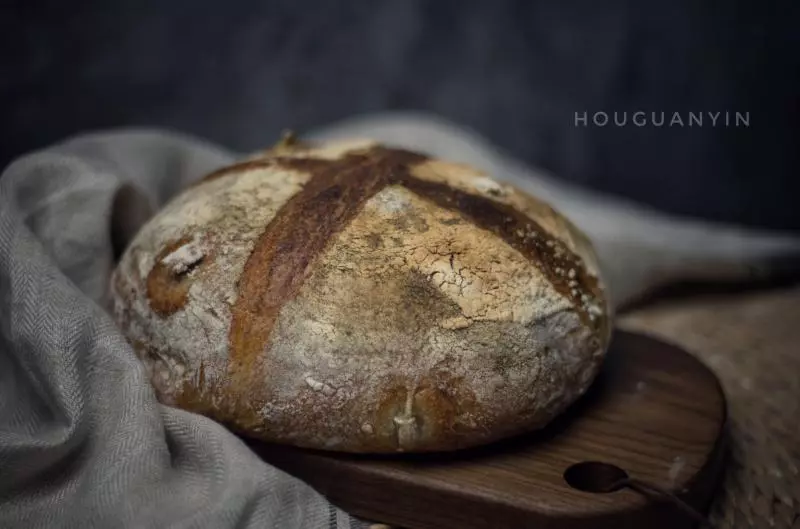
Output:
x=359 y=298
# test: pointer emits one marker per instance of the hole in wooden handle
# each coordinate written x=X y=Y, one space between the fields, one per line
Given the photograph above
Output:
x=594 y=476
x=602 y=478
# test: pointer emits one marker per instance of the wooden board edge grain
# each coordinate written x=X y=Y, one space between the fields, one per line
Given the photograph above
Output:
x=701 y=489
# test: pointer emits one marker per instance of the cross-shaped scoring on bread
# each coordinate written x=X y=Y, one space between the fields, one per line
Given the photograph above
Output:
x=362 y=298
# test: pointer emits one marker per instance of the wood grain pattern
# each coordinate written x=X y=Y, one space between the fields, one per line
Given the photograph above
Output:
x=654 y=411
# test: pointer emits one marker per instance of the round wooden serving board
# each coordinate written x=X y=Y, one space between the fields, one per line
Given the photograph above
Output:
x=655 y=411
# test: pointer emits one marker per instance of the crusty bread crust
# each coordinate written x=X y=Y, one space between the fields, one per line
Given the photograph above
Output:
x=358 y=298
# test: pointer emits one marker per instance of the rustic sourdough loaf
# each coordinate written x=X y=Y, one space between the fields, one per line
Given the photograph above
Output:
x=359 y=298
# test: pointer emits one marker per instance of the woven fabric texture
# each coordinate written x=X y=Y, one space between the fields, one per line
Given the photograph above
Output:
x=84 y=443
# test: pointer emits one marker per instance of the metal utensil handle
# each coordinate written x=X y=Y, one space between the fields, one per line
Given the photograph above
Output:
x=655 y=492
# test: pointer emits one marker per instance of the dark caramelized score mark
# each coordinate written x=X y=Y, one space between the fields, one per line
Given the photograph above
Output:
x=284 y=254
x=551 y=256
x=167 y=290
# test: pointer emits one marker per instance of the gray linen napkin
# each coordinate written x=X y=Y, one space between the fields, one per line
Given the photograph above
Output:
x=83 y=442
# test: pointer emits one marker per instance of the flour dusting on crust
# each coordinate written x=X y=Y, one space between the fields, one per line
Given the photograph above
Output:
x=414 y=329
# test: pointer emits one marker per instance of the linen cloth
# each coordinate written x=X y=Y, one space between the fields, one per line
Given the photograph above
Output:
x=83 y=441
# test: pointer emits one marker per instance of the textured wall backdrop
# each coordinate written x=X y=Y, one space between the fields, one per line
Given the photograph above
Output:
x=514 y=70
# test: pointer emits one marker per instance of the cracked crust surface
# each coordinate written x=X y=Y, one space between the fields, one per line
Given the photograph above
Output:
x=357 y=298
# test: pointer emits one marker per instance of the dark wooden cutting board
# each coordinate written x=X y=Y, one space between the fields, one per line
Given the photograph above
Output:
x=655 y=412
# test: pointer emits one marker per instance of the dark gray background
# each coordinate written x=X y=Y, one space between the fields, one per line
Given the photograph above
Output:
x=238 y=72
